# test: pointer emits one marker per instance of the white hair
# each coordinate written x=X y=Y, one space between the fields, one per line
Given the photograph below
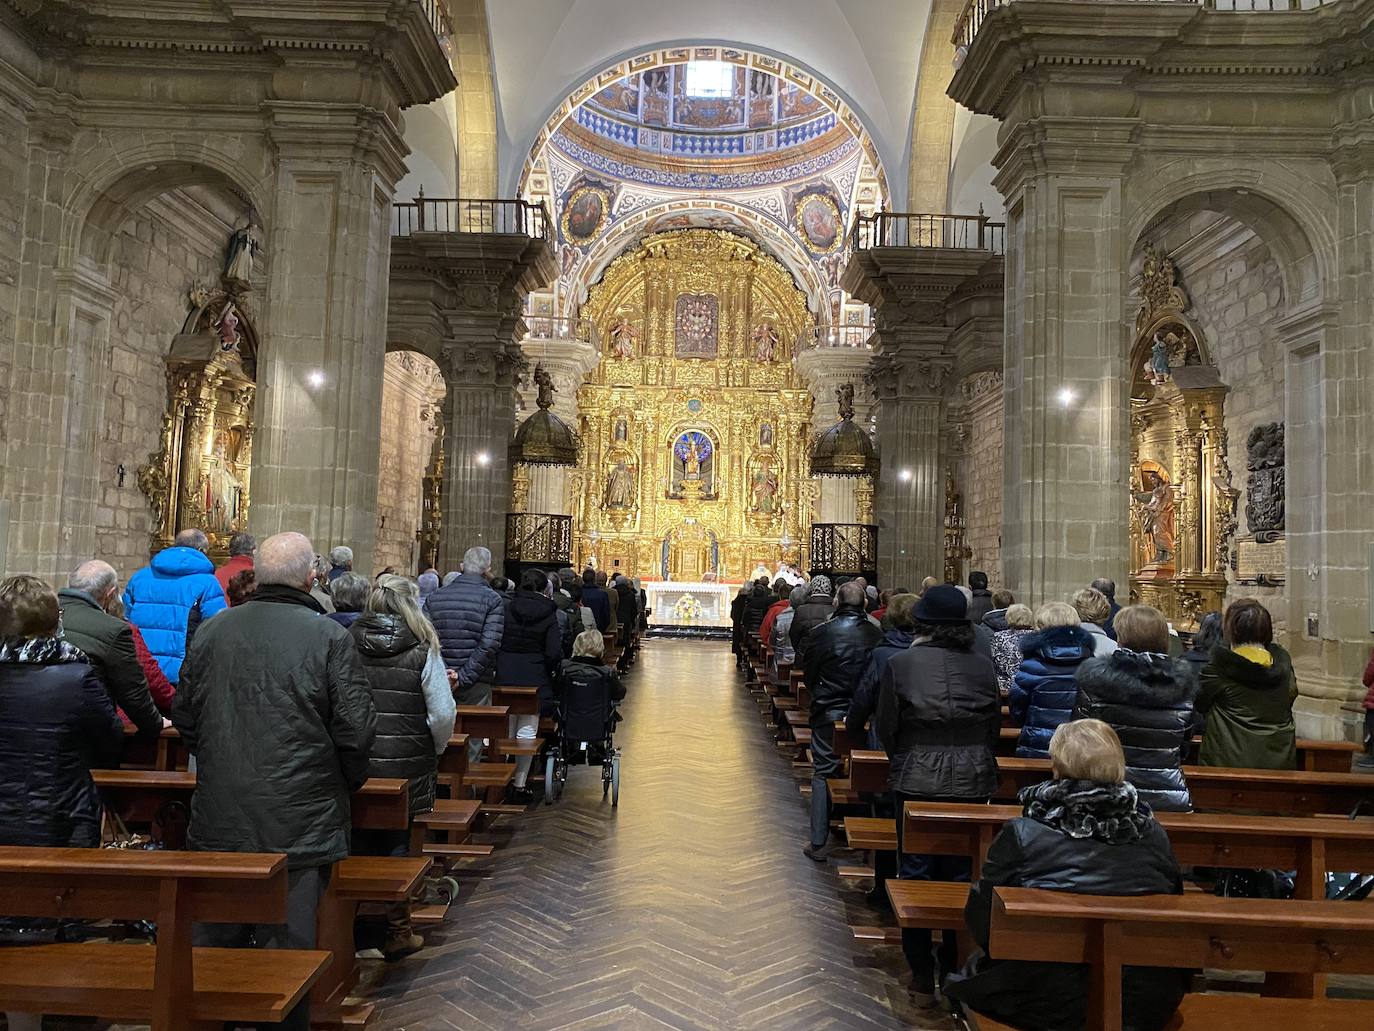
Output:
x=286 y=558
x=95 y=577
x=449 y=578
x=192 y=538
x=476 y=561
x=966 y=591
x=341 y=556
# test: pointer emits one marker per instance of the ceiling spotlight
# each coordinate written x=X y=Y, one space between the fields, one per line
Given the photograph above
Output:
x=905 y=475
x=483 y=458
x=1066 y=397
x=315 y=378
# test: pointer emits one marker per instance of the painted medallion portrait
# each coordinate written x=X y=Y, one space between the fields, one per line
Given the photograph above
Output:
x=585 y=213
x=818 y=221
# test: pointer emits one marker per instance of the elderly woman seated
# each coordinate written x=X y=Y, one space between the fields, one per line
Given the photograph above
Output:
x=1085 y=832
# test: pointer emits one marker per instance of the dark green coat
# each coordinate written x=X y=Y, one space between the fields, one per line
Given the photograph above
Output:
x=1249 y=710
x=109 y=643
x=274 y=704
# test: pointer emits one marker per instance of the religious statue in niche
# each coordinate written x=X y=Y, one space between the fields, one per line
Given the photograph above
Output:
x=623 y=338
x=763 y=489
x=696 y=325
x=620 y=488
x=621 y=431
x=1157 y=368
x=244 y=247
x=1155 y=504
x=223 y=485
x=1265 y=488
x=765 y=342
x=766 y=435
x=693 y=462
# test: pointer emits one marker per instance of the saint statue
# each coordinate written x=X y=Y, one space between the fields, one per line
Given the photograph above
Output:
x=228 y=328
x=1157 y=515
x=765 y=341
x=844 y=396
x=1157 y=370
x=765 y=490
x=766 y=434
x=693 y=461
x=620 y=488
x=623 y=335
x=621 y=431
x=223 y=490
x=244 y=246
x=544 y=382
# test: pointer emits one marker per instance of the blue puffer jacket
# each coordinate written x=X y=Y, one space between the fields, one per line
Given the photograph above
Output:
x=470 y=619
x=1044 y=690
x=168 y=598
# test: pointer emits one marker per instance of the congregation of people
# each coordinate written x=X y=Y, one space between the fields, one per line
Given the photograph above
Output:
x=291 y=679
x=1111 y=695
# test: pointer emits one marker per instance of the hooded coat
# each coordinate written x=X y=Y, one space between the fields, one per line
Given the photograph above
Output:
x=938 y=716
x=1147 y=699
x=277 y=710
x=532 y=646
x=394 y=661
x=1084 y=838
x=1043 y=691
x=1249 y=710
x=168 y=598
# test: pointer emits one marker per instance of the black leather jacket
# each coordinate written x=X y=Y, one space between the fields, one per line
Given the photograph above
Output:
x=1148 y=700
x=837 y=653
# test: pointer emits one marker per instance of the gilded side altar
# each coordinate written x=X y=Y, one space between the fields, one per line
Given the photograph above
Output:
x=695 y=425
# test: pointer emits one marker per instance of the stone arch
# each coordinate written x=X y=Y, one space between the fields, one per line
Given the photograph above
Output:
x=1277 y=206
x=410 y=443
x=108 y=193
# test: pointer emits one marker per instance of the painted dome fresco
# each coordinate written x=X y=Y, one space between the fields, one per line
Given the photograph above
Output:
x=705 y=124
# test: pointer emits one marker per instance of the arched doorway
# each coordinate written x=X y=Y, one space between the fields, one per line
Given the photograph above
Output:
x=410 y=468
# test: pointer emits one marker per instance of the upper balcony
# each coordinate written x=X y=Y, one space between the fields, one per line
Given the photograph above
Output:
x=909 y=229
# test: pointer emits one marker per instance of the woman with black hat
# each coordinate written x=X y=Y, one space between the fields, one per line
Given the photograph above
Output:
x=938 y=717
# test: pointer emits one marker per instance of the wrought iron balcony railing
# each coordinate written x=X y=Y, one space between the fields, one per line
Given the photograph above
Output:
x=976 y=11
x=461 y=215
x=561 y=327
x=907 y=229
x=855 y=336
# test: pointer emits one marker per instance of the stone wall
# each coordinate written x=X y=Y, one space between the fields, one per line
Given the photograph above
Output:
x=410 y=388
x=1236 y=289
x=171 y=245
x=980 y=480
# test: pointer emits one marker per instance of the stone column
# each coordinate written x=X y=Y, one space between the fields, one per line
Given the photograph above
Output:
x=320 y=381
x=910 y=496
x=479 y=418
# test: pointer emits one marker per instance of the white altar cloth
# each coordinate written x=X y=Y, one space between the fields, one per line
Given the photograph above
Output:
x=689 y=604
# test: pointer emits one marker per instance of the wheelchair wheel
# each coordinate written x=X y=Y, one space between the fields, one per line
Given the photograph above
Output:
x=607 y=773
x=615 y=779
x=553 y=779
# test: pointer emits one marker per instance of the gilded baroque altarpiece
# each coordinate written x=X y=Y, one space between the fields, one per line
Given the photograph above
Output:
x=695 y=425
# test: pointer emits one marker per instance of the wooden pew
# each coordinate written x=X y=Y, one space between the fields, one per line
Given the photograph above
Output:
x=1300 y=939
x=1217 y=788
x=453 y=765
x=1313 y=756
x=380 y=804
x=163 y=752
x=172 y=986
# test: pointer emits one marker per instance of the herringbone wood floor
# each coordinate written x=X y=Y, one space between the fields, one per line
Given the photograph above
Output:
x=691 y=906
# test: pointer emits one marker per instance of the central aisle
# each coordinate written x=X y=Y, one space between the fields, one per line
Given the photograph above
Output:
x=691 y=906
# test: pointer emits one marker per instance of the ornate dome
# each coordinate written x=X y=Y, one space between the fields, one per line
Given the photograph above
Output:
x=844 y=450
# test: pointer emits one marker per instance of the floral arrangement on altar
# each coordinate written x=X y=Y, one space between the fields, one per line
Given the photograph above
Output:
x=687 y=609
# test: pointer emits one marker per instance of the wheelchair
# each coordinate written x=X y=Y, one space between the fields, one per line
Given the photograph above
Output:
x=584 y=735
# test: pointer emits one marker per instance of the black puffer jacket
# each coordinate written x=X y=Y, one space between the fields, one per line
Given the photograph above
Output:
x=469 y=618
x=275 y=706
x=532 y=647
x=56 y=724
x=1080 y=839
x=394 y=659
x=939 y=713
x=813 y=612
x=1148 y=700
x=836 y=655
x=756 y=606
